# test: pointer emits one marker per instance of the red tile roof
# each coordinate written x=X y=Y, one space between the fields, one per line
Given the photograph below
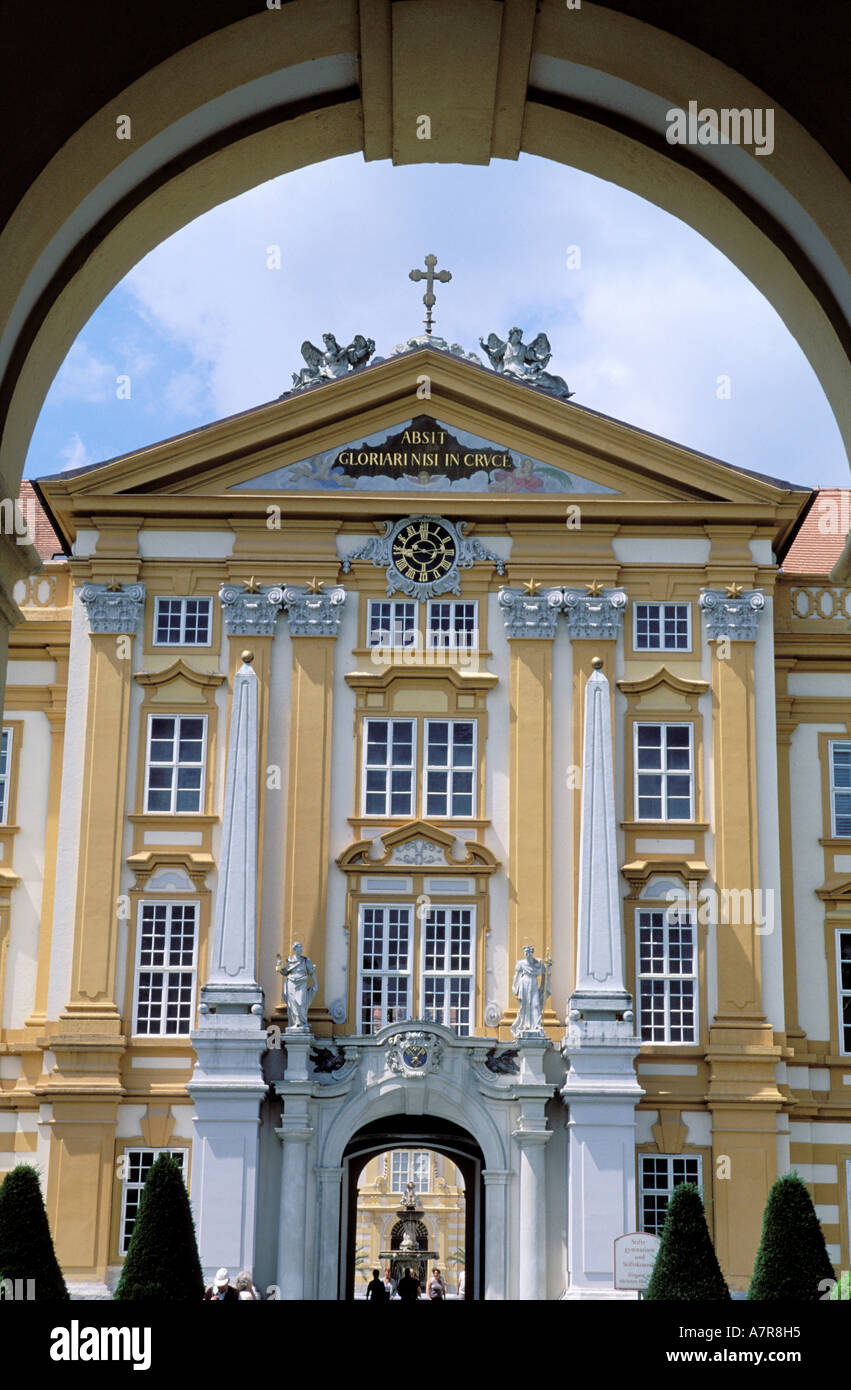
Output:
x=821 y=539
x=44 y=538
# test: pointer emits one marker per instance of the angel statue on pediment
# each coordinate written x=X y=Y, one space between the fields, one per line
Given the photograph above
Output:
x=525 y=361
x=335 y=361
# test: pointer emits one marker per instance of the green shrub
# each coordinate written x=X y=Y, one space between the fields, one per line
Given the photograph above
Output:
x=26 y=1245
x=162 y=1262
x=686 y=1265
x=792 y=1259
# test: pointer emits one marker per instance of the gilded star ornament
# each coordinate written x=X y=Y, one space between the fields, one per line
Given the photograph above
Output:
x=734 y=590
x=252 y=587
x=595 y=588
x=113 y=587
x=532 y=586
x=315 y=586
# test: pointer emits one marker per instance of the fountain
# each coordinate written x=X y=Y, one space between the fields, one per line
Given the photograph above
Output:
x=409 y=1253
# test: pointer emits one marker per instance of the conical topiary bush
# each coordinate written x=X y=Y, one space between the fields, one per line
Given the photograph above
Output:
x=162 y=1262
x=686 y=1266
x=26 y=1245
x=792 y=1259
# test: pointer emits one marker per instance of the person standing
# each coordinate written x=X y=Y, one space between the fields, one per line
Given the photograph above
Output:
x=436 y=1286
x=389 y=1284
x=244 y=1286
x=375 y=1289
x=221 y=1290
x=409 y=1287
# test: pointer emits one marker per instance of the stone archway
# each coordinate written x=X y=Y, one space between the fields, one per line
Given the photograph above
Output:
x=425 y=1131
x=319 y=78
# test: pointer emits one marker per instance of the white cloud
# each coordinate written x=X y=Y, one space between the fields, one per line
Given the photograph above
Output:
x=75 y=454
x=84 y=377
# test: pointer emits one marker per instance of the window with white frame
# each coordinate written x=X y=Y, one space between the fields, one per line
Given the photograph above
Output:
x=384 y=977
x=183 y=622
x=166 y=954
x=392 y=624
x=5 y=773
x=389 y=767
x=447 y=975
x=666 y=952
x=840 y=789
x=664 y=772
x=658 y=1175
x=136 y=1165
x=174 y=776
x=410 y=1165
x=452 y=626
x=843 y=980
x=662 y=627
x=450 y=757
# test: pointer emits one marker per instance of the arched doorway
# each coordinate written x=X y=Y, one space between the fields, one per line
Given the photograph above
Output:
x=417 y=1133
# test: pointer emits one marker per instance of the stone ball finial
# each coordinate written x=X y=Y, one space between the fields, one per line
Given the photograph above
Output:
x=248 y=657
x=597 y=663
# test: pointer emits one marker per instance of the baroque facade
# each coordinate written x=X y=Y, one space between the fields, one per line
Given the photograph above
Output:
x=419 y=667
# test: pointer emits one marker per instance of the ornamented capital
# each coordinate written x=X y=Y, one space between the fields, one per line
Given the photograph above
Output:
x=735 y=616
x=530 y=615
x=597 y=616
x=312 y=614
x=250 y=611
x=114 y=607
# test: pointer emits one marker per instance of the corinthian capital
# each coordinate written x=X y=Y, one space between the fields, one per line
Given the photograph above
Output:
x=250 y=611
x=730 y=614
x=595 y=615
x=114 y=607
x=313 y=611
x=529 y=614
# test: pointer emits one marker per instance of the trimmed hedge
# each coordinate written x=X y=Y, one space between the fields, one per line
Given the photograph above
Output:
x=686 y=1267
x=162 y=1265
x=792 y=1259
x=26 y=1245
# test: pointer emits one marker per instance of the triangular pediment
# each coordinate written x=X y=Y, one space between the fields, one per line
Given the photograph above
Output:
x=422 y=423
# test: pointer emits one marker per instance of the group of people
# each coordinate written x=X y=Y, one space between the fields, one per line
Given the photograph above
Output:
x=409 y=1288
x=223 y=1291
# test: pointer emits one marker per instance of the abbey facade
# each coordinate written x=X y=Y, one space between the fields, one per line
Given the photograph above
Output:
x=318 y=673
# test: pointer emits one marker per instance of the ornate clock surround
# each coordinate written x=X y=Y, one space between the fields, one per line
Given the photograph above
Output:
x=467 y=550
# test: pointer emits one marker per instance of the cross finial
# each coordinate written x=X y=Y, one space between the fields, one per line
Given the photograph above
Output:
x=430 y=275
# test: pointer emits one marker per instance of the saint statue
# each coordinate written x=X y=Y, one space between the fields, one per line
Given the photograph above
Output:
x=299 y=986
x=531 y=996
x=410 y=1195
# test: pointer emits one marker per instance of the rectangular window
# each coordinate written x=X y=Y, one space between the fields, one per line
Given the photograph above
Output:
x=175 y=762
x=843 y=980
x=452 y=626
x=389 y=765
x=658 y=1175
x=447 y=987
x=5 y=773
x=165 y=969
x=386 y=948
x=840 y=789
x=412 y=1165
x=662 y=627
x=392 y=624
x=183 y=622
x=450 y=763
x=137 y=1163
x=667 y=977
x=664 y=781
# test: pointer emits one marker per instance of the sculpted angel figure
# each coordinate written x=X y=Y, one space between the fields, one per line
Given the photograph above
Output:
x=332 y=362
x=299 y=986
x=531 y=995
x=525 y=361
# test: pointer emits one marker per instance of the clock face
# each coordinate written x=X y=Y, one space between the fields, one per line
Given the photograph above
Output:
x=424 y=551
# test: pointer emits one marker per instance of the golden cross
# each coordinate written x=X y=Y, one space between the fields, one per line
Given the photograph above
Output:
x=430 y=275
x=531 y=586
x=595 y=588
x=315 y=586
x=734 y=590
x=252 y=587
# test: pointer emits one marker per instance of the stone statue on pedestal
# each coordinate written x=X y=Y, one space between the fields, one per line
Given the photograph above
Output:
x=299 y=986
x=335 y=361
x=525 y=361
x=531 y=996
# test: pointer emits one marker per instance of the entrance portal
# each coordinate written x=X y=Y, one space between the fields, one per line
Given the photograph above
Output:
x=414 y=1198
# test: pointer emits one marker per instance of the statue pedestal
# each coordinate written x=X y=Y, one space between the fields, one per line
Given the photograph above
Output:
x=296 y=1136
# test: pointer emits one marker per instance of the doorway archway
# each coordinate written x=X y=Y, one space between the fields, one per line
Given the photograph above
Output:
x=421 y=1132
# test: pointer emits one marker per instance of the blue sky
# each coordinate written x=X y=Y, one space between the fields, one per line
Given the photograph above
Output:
x=642 y=327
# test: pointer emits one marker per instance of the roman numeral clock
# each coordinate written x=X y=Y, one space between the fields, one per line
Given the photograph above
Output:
x=423 y=555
